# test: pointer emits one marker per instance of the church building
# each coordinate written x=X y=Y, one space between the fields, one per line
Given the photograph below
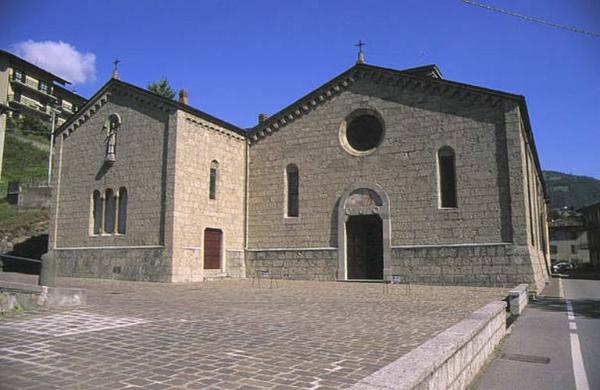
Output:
x=377 y=174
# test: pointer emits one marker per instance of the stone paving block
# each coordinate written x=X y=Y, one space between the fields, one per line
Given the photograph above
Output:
x=226 y=335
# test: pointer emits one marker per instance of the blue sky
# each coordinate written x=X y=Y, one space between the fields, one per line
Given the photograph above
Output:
x=239 y=58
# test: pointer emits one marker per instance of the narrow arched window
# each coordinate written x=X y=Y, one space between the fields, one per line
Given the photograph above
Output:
x=122 y=221
x=447 y=177
x=109 y=212
x=293 y=183
x=97 y=211
x=212 y=190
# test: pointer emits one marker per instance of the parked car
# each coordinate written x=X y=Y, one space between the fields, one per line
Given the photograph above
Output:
x=563 y=266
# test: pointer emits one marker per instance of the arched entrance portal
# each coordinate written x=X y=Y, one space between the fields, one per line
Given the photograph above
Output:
x=363 y=233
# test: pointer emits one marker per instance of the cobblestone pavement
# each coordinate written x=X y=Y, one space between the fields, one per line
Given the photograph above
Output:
x=225 y=334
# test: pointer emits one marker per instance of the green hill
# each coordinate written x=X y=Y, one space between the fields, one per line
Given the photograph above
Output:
x=574 y=191
x=22 y=162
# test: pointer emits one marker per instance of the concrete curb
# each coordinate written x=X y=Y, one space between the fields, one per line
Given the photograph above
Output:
x=31 y=295
x=448 y=361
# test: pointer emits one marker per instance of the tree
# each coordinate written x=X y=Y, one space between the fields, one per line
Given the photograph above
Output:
x=162 y=88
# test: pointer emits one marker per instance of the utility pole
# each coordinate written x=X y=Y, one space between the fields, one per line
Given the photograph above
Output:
x=51 y=145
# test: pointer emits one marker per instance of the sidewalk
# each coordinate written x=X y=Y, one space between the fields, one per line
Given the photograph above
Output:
x=536 y=355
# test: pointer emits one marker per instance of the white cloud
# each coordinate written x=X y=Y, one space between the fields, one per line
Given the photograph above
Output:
x=59 y=58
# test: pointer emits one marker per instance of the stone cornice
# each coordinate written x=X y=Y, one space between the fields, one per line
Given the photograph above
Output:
x=104 y=95
x=212 y=127
x=471 y=95
x=86 y=113
x=301 y=107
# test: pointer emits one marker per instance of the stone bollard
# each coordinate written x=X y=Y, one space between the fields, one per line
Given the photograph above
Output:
x=47 y=271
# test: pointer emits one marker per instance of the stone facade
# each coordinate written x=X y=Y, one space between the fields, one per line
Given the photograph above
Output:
x=500 y=214
x=200 y=143
x=496 y=234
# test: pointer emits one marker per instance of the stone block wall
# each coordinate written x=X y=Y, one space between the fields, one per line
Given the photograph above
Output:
x=417 y=124
x=480 y=265
x=35 y=197
x=320 y=264
x=80 y=169
x=235 y=263
x=141 y=264
x=476 y=265
x=199 y=143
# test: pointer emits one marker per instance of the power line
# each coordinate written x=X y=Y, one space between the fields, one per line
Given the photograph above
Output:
x=531 y=18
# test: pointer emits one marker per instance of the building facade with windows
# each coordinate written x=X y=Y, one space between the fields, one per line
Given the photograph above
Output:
x=27 y=90
x=591 y=222
x=569 y=242
x=378 y=173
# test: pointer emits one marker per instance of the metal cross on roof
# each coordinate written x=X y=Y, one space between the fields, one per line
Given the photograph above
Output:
x=360 y=45
x=115 y=74
x=361 y=55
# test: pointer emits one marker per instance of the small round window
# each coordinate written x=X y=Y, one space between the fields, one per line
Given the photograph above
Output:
x=361 y=132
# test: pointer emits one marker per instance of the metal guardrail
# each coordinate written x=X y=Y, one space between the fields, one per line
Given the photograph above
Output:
x=47 y=268
x=18 y=258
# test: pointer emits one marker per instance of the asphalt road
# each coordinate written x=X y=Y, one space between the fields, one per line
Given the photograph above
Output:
x=554 y=344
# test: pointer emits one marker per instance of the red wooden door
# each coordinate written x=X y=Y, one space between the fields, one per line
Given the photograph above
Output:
x=212 y=248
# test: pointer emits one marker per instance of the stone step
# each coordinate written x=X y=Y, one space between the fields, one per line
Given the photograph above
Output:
x=211 y=276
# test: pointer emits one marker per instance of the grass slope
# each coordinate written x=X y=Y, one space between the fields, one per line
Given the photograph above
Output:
x=22 y=162
x=15 y=223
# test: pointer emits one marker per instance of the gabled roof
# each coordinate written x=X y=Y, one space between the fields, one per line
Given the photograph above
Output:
x=430 y=73
x=22 y=62
x=425 y=70
x=157 y=98
x=420 y=76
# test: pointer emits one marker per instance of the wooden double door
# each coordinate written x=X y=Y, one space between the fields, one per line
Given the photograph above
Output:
x=364 y=240
x=213 y=242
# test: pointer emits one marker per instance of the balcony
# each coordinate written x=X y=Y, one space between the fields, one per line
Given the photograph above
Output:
x=29 y=104
x=32 y=86
x=66 y=110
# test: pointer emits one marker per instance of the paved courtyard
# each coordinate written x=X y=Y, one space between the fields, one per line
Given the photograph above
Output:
x=226 y=334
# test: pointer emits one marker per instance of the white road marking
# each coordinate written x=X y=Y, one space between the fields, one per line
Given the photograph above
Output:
x=570 y=314
x=39 y=365
x=581 y=381
x=68 y=324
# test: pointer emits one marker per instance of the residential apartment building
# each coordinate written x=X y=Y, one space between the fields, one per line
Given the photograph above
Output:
x=28 y=90
x=591 y=220
x=568 y=241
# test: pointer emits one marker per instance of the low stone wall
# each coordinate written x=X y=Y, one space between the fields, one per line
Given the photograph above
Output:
x=141 y=264
x=448 y=361
x=480 y=265
x=30 y=296
x=313 y=264
x=518 y=298
x=35 y=198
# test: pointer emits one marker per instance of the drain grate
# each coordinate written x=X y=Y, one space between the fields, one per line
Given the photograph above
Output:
x=525 y=358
